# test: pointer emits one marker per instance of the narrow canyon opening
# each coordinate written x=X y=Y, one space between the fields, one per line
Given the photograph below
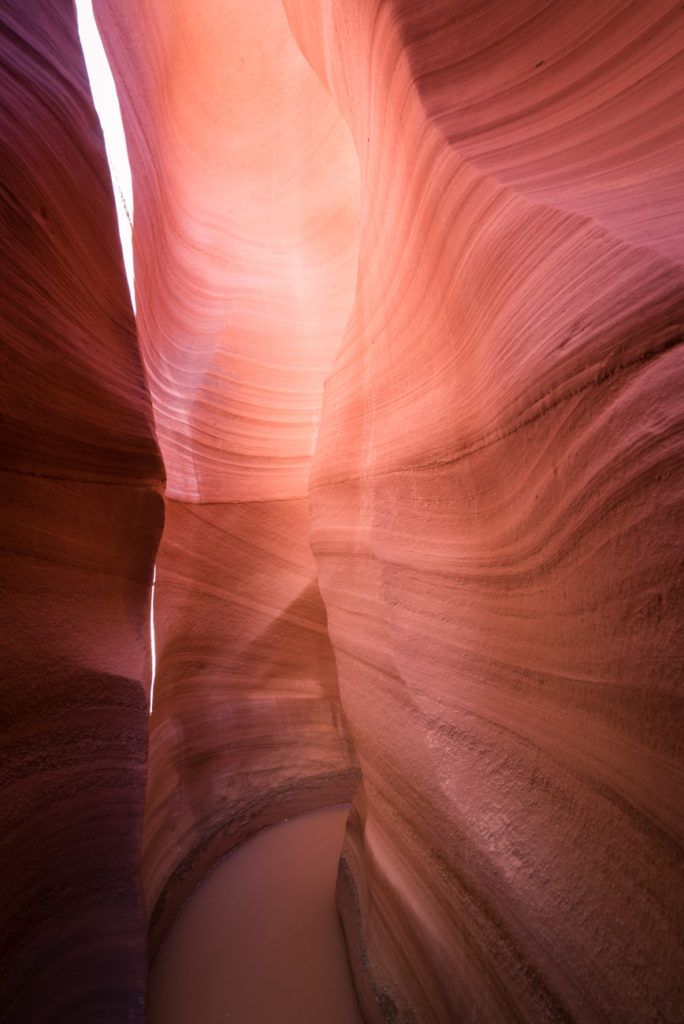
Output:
x=284 y=957
x=342 y=547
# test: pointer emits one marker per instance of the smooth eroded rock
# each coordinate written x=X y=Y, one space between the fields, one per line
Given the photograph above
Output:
x=80 y=518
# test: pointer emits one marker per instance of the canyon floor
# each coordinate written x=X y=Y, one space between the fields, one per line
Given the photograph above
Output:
x=260 y=939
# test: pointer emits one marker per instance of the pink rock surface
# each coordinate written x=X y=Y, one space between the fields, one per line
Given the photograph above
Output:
x=246 y=234
x=246 y=728
x=80 y=518
x=497 y=508
x=410 y=291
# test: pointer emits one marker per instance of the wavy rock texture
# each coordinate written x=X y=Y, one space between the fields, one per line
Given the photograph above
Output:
x=246 y=728
x=81 y=513
x=495 y=498
x=497 y=507
x=246 y=233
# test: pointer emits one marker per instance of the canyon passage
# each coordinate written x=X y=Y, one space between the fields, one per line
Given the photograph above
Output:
x=341 y=515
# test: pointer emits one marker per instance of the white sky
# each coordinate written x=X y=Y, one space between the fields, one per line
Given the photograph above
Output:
x=109 y=112
x=153 y=645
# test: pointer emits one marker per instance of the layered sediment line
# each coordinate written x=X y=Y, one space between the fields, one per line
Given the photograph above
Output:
x=410 y=310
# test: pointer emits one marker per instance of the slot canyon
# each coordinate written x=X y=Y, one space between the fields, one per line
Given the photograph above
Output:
x=396 y=427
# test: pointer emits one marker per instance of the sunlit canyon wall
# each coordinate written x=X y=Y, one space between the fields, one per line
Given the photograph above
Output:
x=81 y=514
x=496 y=505
x=410 y=302
x=246 y=235
x=495 y=500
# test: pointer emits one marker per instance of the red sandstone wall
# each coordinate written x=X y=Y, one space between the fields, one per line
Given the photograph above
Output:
x=496 y=507
x=80 y=514
x=247 y=728
x=495 y=500
x=246 y=232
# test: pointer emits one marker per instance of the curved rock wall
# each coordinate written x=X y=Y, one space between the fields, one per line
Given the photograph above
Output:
x=488 y=274
x=496 y=507
x=246 y=232
x=81 y=513
x=246 y=728
x=246 y=186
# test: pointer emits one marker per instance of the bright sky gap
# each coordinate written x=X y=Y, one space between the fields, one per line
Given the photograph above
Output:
x=109 y=112
x=153 y=646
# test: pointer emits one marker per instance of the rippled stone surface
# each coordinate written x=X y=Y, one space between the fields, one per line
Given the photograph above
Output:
x=246 y=728
x=246 y=233
x=497 y=507
x=416 y=305
x=80 y=518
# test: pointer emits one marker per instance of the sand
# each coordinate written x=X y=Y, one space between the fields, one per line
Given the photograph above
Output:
x=260 y=941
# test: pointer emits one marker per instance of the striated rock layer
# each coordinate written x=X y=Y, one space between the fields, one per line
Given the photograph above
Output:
x=246 y=233
x=474 y=236
x=80 y=514
x=496 y=507
x=246 y=728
